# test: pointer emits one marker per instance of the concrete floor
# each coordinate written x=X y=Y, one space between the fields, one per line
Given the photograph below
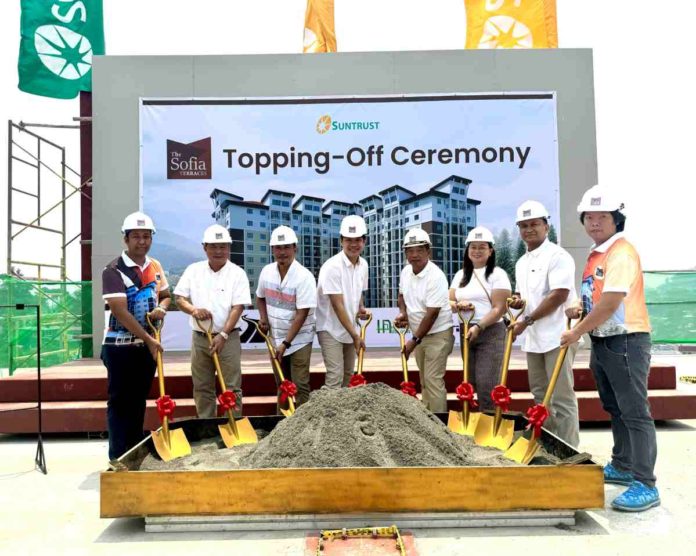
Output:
x=59 y=513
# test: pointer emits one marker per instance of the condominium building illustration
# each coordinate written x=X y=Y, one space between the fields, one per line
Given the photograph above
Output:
x=445 y=211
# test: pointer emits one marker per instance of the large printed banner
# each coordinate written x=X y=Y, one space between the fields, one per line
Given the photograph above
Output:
x=445 y=163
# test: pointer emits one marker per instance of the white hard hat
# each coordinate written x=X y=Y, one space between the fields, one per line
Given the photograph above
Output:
x=216 y=234
x=137 y=221
x=530 y=210
x=416 y=236
x=353 y=226
x=479 y=233
x=283 y=235
x=599 y=199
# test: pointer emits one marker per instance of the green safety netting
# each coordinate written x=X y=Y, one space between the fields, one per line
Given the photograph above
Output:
x=671 y=299
x=66 y=315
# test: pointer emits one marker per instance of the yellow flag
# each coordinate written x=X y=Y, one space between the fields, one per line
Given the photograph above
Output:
x=319 y=30
x=511 y=24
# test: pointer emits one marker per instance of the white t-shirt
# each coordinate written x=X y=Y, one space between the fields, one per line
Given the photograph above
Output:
x=297 y=290
x=474 y=291
x=548 y=267
x=424 y=290
x=216 y=291
x=339 y=275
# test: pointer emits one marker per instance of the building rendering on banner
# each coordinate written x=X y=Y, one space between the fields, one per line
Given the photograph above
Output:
x=445 y=211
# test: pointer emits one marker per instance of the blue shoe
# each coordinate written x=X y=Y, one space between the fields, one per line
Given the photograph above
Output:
x=637 y=498
x=615 y=477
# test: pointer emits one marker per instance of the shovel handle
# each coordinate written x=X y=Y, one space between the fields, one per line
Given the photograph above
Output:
x=557 y=367
x=363 y=328
x=508 y=338
x=402 y=343
x=156 y=327
x=274 y=360
x=466 y=322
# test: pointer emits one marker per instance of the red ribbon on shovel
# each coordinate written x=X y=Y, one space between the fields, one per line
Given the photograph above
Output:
x=357 y=380
x=165 y=406
x=501 y=397
x=465 y=393
x=288 y=389
x=227 y=400
x=536 y=415
x=408 y=388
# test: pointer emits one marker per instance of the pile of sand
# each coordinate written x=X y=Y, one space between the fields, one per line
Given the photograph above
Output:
x=368 y=426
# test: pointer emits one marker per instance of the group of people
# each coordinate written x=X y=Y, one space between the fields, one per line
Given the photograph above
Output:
x=294 y=307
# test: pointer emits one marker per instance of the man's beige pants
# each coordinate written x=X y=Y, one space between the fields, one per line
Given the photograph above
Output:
x=203 y=373
x=339 y=360
x=563 y=420
x=431 y=358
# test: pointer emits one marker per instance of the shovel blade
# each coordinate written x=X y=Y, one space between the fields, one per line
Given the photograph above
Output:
x=486 y=435
x=523 y=450
x=456 y=424
x=287 y=412
x=177 y=447
x=245 y=433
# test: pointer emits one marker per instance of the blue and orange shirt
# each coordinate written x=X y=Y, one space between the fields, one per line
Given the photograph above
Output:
x=141 y=287
x=614 y=266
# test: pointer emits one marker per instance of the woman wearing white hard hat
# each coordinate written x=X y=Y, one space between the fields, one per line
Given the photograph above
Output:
x=617 y=321
x=484 y=286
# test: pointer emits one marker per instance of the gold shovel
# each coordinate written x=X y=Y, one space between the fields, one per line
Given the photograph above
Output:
x=496 y=431
x=358 y=379
x=524 y=449
x=276 y=365
x=464 y=421
x=407 y=387
x=234 y=432
x=169 y=443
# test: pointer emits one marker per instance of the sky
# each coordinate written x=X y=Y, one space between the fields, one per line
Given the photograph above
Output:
x=643 y=88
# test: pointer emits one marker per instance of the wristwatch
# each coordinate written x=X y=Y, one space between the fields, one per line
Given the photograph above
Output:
x=416 y=339
x=224 y=334
x=286 y=343
x=529 y=320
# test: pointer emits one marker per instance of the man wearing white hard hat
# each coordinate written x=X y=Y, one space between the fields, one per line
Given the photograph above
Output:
x=545 y=277
x=286 y=298
x=342 y=281
x=424 y=307
x=214 y=289
x=617 y=321
x=134 y=287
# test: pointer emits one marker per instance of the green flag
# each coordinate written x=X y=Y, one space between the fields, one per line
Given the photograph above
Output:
x=58 y=40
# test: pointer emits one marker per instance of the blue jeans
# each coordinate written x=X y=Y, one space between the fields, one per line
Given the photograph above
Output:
x=130 y=370
x=621 y=365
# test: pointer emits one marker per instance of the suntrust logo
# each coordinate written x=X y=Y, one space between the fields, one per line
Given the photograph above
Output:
x=325 y=124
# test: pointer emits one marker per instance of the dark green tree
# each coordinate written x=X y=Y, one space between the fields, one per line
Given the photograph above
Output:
x=553 y=237
x=520 y=250
x=504 y=256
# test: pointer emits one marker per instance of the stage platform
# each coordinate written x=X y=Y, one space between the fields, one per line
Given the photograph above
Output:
x=74 y=394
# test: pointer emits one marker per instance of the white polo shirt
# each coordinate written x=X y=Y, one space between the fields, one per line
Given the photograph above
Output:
x=475 y=293
x=216 y=291
x=339 y=275
x=297 y=290
x=548 y=267
x=426 y=289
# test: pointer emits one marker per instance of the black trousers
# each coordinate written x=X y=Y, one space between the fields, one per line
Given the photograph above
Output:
x=130 y=369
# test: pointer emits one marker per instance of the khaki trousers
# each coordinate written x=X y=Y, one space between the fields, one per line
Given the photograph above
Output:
x=339 y=360
x=431 y=358
x=563 y=420
x=203 y=373
x=296 y=367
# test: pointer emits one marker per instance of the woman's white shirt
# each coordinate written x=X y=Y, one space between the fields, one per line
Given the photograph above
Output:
x=474 y=293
